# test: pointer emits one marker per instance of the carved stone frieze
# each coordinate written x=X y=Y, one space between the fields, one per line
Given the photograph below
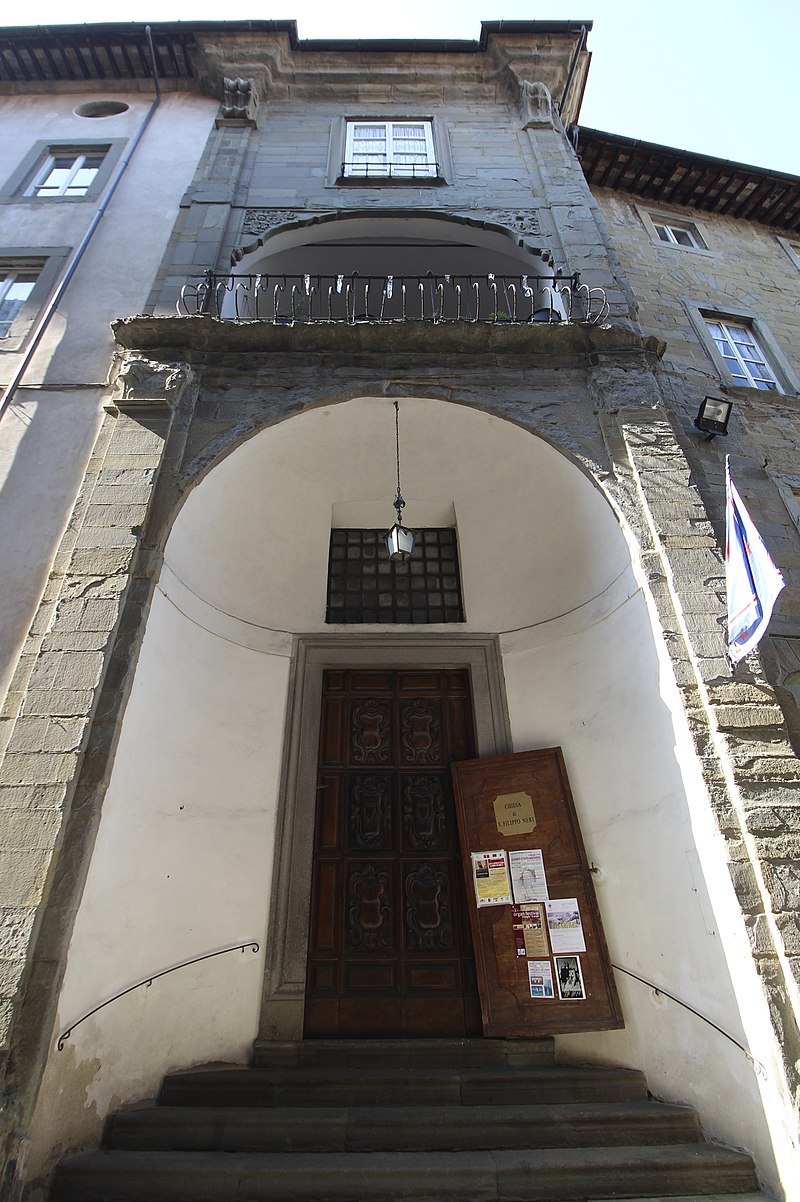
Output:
x=258 y=224
x=524 y=222
x=260 y=221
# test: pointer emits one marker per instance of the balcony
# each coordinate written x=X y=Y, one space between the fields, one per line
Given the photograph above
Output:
x=355 y=299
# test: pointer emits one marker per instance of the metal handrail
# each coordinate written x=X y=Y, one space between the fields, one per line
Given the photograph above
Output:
x=355 y=299
x=236 y=947
x=757 y=1065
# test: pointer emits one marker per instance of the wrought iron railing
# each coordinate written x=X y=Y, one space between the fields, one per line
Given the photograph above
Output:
x=372 y=170
x=388 y=299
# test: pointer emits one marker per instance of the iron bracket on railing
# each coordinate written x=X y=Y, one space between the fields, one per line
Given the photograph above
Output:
x=236 y=947
x=757 y=1065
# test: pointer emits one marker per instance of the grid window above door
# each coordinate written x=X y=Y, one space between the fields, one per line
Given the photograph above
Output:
x=389 y=150
x=364 y=585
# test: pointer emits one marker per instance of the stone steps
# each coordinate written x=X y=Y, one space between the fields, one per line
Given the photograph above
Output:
x=408 y=1086
x=451 y=1053
x=417 y=1121
x=518 y=1175
x=414 y=1129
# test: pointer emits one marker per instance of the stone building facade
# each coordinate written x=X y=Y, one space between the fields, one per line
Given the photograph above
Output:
x=548 y=348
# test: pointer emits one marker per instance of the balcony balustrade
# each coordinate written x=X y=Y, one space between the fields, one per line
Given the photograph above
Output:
x=391 y=299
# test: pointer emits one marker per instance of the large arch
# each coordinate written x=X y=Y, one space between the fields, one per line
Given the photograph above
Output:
x=185 y=852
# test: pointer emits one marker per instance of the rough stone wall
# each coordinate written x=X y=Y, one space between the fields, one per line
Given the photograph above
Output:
x=751 y=764
x=61 y=713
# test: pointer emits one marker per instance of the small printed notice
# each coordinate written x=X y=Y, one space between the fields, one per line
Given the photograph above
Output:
x=530 y=930
x=564 y=923
x=527 y=877
x=540 y=976
x=570 y=979
x=490 y=876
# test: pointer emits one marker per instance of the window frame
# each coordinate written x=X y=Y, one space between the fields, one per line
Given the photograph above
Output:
x=437 y=145
x=786 y=378
x=48 y=165
x=19 y=188
x=792 y=248
x=652 y=218
x=48 y=261
x=390 y=137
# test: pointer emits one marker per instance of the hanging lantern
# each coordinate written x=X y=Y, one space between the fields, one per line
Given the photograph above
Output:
x=399 y=540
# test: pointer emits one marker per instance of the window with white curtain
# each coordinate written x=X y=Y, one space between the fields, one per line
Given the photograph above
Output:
x=390 y=150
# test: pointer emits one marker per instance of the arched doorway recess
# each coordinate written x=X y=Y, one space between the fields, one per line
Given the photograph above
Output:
x=223 y=703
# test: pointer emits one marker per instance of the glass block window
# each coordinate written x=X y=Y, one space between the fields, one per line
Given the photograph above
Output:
x=364 y=585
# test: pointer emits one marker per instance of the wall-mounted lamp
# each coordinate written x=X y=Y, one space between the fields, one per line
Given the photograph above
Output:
x=399 y=540
x=713 y=416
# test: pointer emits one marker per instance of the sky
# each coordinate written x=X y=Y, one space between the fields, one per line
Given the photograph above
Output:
x=715 y=76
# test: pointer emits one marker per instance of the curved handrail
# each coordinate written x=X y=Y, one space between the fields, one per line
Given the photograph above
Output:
x=236 y=947
x=757 y=1065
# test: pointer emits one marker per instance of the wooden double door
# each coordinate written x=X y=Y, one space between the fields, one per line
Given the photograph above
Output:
x=390 y=952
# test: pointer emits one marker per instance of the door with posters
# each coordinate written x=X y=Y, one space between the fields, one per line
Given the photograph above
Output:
x=541 y=956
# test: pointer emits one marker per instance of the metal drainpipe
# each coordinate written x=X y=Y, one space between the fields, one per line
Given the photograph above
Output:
x=55 y=297
x=573 y=66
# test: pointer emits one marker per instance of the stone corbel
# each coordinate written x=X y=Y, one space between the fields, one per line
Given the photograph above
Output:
x=239 y=102
x=146 y=385
x=536 y=105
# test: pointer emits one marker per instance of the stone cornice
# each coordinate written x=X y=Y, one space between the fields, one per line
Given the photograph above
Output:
x=568 y=344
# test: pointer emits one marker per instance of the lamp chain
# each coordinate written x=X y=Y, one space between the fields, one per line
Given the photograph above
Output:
x=399 y=503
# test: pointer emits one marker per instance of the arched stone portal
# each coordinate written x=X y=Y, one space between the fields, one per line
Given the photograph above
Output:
x=207 y=794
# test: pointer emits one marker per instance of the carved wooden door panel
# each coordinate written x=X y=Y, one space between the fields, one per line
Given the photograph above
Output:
x=389 y=944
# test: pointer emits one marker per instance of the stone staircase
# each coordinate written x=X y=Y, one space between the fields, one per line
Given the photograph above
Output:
x=465 y=1120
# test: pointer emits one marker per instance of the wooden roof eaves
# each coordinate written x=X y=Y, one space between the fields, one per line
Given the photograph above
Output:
x=690 y=180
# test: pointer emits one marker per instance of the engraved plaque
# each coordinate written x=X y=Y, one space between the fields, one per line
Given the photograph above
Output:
x=513 y=813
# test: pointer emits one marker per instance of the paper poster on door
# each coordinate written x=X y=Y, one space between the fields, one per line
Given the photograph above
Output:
x=527 y=875
x=570 y=979
x=490 y=878
x=565 y=926
x=540 y=978
x=530 y=930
